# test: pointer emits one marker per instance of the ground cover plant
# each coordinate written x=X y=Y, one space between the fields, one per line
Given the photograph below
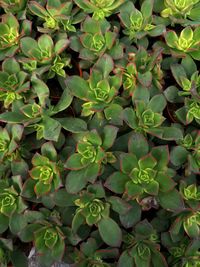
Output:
x=99 y=132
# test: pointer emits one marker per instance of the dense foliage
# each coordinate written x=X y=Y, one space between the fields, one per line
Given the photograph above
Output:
x=99 y=135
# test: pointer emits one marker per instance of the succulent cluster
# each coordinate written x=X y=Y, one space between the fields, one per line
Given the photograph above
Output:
x=99 y=132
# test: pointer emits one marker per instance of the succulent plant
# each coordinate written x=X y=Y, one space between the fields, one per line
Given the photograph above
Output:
x=100 y=9
x=180 y=9
x=13 y=82
x=141 y=172
x=187 y=42
x=138 y=23
x=45 y=172
x=56 y=16
x=87 y=162
x=9 y=40
x=44 y=52
x=96 y=38
x=99 y=132
x=13 y=6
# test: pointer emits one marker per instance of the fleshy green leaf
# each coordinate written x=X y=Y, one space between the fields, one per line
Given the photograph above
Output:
x=78 y=87
x=74 y=125
x=109 y=136
x=138 y=145
x=125 y=260
x=41 y=89
x=104 y=65
x=132 y=216
x=171 y=200
x=49 y=151
x=178 y=155
x=116 y=182
x=76 y=180
x=110 y=232
x=119 y=205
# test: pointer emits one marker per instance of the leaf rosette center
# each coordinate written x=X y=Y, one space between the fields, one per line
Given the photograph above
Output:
x=145 y=176
x=3 y=145
x=194 y=110
x=46 y=174
x=98 y=42
x=7 y=203
x=96 y=207
x=51 y=23
x=50 y=238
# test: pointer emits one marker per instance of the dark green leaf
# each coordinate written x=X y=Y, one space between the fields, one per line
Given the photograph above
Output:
x=178 y=155
x=78 y=87
x=132 y=216
x=73 y=125
x=110 y=232
x=171 y=200
x=138 y=145
x=116 y=182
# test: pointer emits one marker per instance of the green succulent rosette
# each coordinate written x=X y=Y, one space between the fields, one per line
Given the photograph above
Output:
x=46 y=175
x=186 y=43
x=9 y=35
x=93 y=210
x=99 y=8
x=13 y=6
x=88 y=161
x=139 y=23
x=13 y=82
x=142 y=172
x=49 y=241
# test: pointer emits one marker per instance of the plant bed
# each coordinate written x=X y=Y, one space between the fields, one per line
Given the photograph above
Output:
x=99 y=133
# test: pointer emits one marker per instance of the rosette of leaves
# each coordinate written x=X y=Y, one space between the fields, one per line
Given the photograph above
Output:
x=91 y=209
x=56 y=15
x=142 y=171
x=189 y=112
x=9 y=35
x=187 y=152
x=129 y=79
x=96 y=211
x=147 y=116
x=139 y=23
x=95 y=39
x=44 y=52
x=143 y=69
x=183 y=252
x=189 y=83
x=190 y=193
x=36 y=117
x=12 y=205
x=45 y=174
x=176 y=248
x=187 y=221
x=100 y=9
x=13 y=82
x=49 y=241
x=142 y=247
x=91 y=254
x=9 y=141
x=186 y=43
x=99 y=91
x=87 y=162
x=179 y=10
x=13 y=6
